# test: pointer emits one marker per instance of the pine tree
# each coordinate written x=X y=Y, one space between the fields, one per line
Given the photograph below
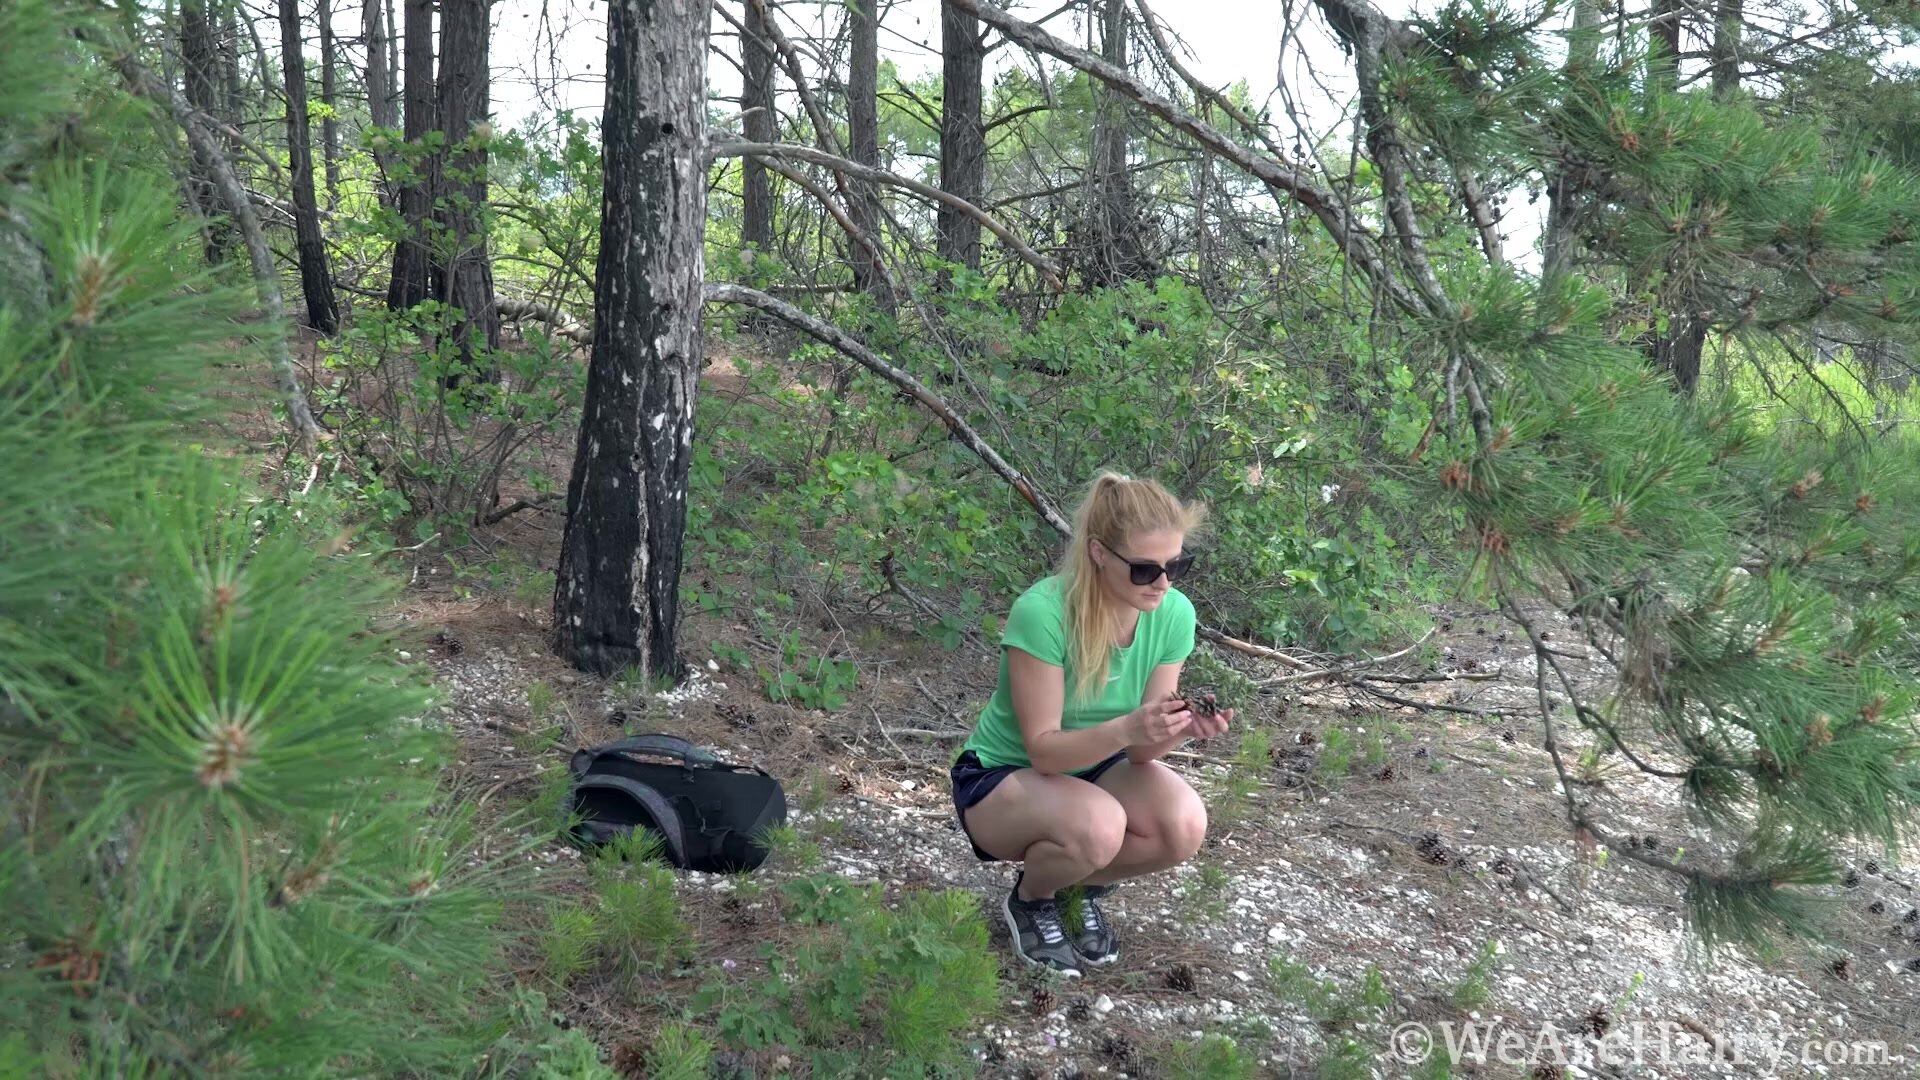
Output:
x=226 y=850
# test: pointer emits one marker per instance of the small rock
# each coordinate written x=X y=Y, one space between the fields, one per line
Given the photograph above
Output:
x=1239 y=948
x=1276 y=935
x=908 y=785
x=1103 y=1005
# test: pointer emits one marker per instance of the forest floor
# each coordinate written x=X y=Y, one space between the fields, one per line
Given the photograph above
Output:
x=1374 y=836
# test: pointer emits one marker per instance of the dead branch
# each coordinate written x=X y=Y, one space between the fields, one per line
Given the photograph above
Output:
x=1346 y=669
x=827 y=333
x=234 y=194
x=1360 y=245
x=880 y=176
x=515 y=310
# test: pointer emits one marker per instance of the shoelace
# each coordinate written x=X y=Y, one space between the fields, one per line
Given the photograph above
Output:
x=1046 y=922
x=1092 y=918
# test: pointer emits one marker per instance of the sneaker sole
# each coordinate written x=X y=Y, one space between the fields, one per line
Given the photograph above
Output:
x=1013 y=938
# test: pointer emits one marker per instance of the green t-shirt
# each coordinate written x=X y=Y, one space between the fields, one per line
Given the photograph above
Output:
x=1037 y=625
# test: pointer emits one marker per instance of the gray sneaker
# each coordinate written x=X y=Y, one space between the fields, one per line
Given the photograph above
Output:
x=1039 y=933
x=1093 y=938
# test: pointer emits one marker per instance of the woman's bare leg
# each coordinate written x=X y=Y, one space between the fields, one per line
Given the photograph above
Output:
x=1061 y=828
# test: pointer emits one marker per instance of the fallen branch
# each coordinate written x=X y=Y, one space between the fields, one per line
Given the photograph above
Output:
x=1345 y=669
x=516 y=310
x=1248 y=647
x=881 y=176
x=518 y=505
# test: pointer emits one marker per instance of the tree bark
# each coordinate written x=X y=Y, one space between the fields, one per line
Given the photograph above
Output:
x=757 y=121
x=466 y=280
x=1663 y=66
x=616 y=594
x=1727 y=28
x=382 y=108
x=411 y=258
x=1678 y=351
x=1111 y=245
x=235 y=84
x=330 y=123
x=1563 y=194
x=863 y=124
x=963 y=138
x=316 y=281
x=201 y=57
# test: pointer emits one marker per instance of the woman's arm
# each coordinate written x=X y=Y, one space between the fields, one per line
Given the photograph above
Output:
x=1039 y=696
x=1162 y=684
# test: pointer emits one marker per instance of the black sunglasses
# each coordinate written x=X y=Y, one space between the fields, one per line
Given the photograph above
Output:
x=1145 y=573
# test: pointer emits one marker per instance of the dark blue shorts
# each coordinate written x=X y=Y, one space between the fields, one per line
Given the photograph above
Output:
x=972 y=782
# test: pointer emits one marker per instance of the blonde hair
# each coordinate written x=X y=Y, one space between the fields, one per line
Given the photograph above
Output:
x=1115 y=509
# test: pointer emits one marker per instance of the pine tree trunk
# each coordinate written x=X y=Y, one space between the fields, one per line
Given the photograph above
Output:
x=756 y=106
x=963 y=138
x=316 y=282
x=863 y=123
x=1728 y=24
x=1112 y=248
x=616 y=596
x=1664 y=30
x=1678 y=351
x=235 y=83
x=330 y=123
x=1563 y=195
x=382 y=108
x=201 y=57
x=467 y=278
x=409 y=283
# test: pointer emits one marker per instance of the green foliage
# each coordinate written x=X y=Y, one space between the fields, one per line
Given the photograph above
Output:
x=1252 y=760
x=1207 y=894
x=812 y=683
x=640 y=929
x=442 y=453
x=234 y=819
x=1324 y=1000
x=866 y=990
x=573 y=932
x=679 y=1053
x=1472 y=989
x=1207 y=1058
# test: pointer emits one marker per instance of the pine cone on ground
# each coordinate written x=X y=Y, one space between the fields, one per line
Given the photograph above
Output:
x=1080 y=1011
x=1042 y=1000
x=1878 y=907
x=1180 y=978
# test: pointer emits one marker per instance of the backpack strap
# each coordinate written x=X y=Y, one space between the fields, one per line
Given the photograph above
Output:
x=664 y=815
x=669 y=746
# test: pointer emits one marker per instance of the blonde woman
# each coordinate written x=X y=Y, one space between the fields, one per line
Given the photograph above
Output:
x=1062 y=773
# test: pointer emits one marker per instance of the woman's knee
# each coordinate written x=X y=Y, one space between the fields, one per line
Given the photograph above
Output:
x=1097 y=830
x=1185 y=827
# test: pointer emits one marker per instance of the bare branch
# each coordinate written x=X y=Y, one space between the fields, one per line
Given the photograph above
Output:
x=829 y=334
x=266 y=279
x=1356 y=242
x=879 y=176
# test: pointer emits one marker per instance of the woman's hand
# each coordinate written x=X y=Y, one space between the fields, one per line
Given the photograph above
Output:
x=1156 y=722
x=1206 y=727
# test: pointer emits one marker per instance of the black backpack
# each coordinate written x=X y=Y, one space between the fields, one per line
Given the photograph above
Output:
x=712 y=815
